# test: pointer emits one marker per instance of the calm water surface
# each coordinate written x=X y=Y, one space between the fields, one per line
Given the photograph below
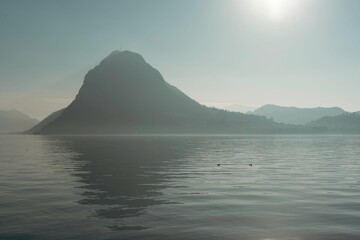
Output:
x=170 y=187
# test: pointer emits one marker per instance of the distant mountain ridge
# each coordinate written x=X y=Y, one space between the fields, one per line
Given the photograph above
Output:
x=239 y=108
x=38 y=127
x=344 y=123
x=124 y=94
x=294 y=115
x=12 y=121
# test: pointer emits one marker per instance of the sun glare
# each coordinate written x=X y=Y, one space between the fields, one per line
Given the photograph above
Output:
x=275 y=9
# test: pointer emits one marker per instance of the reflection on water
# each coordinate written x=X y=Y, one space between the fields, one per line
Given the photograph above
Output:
x=124 y=174
x=170 y=187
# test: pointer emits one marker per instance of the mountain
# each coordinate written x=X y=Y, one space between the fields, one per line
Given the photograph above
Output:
x=37 y=128
x=124 y=94
x=12 y=121
x=293 y=115
x=345 y=123
x=239 y=108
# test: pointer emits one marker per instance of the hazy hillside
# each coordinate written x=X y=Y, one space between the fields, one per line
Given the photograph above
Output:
x=124 y=94
x=14 y=121
x=239 y=108
x=345 y=123
x=293 y=115
x=37 y=128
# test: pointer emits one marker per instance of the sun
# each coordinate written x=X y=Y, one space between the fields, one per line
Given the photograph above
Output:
x=275 y=9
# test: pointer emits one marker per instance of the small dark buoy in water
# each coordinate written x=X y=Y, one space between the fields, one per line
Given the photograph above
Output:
x=218 y=164
x=250 y=164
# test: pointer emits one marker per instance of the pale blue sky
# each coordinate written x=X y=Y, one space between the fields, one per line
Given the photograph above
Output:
x=218 y=52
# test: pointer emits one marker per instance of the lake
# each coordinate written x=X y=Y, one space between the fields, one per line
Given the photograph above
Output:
x=171 y=187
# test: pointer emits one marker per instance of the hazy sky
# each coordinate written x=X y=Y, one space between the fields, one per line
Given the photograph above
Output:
x=302 y=53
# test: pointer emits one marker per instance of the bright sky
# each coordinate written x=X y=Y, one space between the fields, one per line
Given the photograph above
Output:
x=303 y=53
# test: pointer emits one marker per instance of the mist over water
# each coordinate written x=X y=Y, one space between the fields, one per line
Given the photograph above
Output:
x=170 y=187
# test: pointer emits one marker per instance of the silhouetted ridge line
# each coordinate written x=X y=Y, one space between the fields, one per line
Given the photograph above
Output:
x=294 y=115
x=346 y=123
x=13 y=121
x=124 y=94
x=37 y=128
